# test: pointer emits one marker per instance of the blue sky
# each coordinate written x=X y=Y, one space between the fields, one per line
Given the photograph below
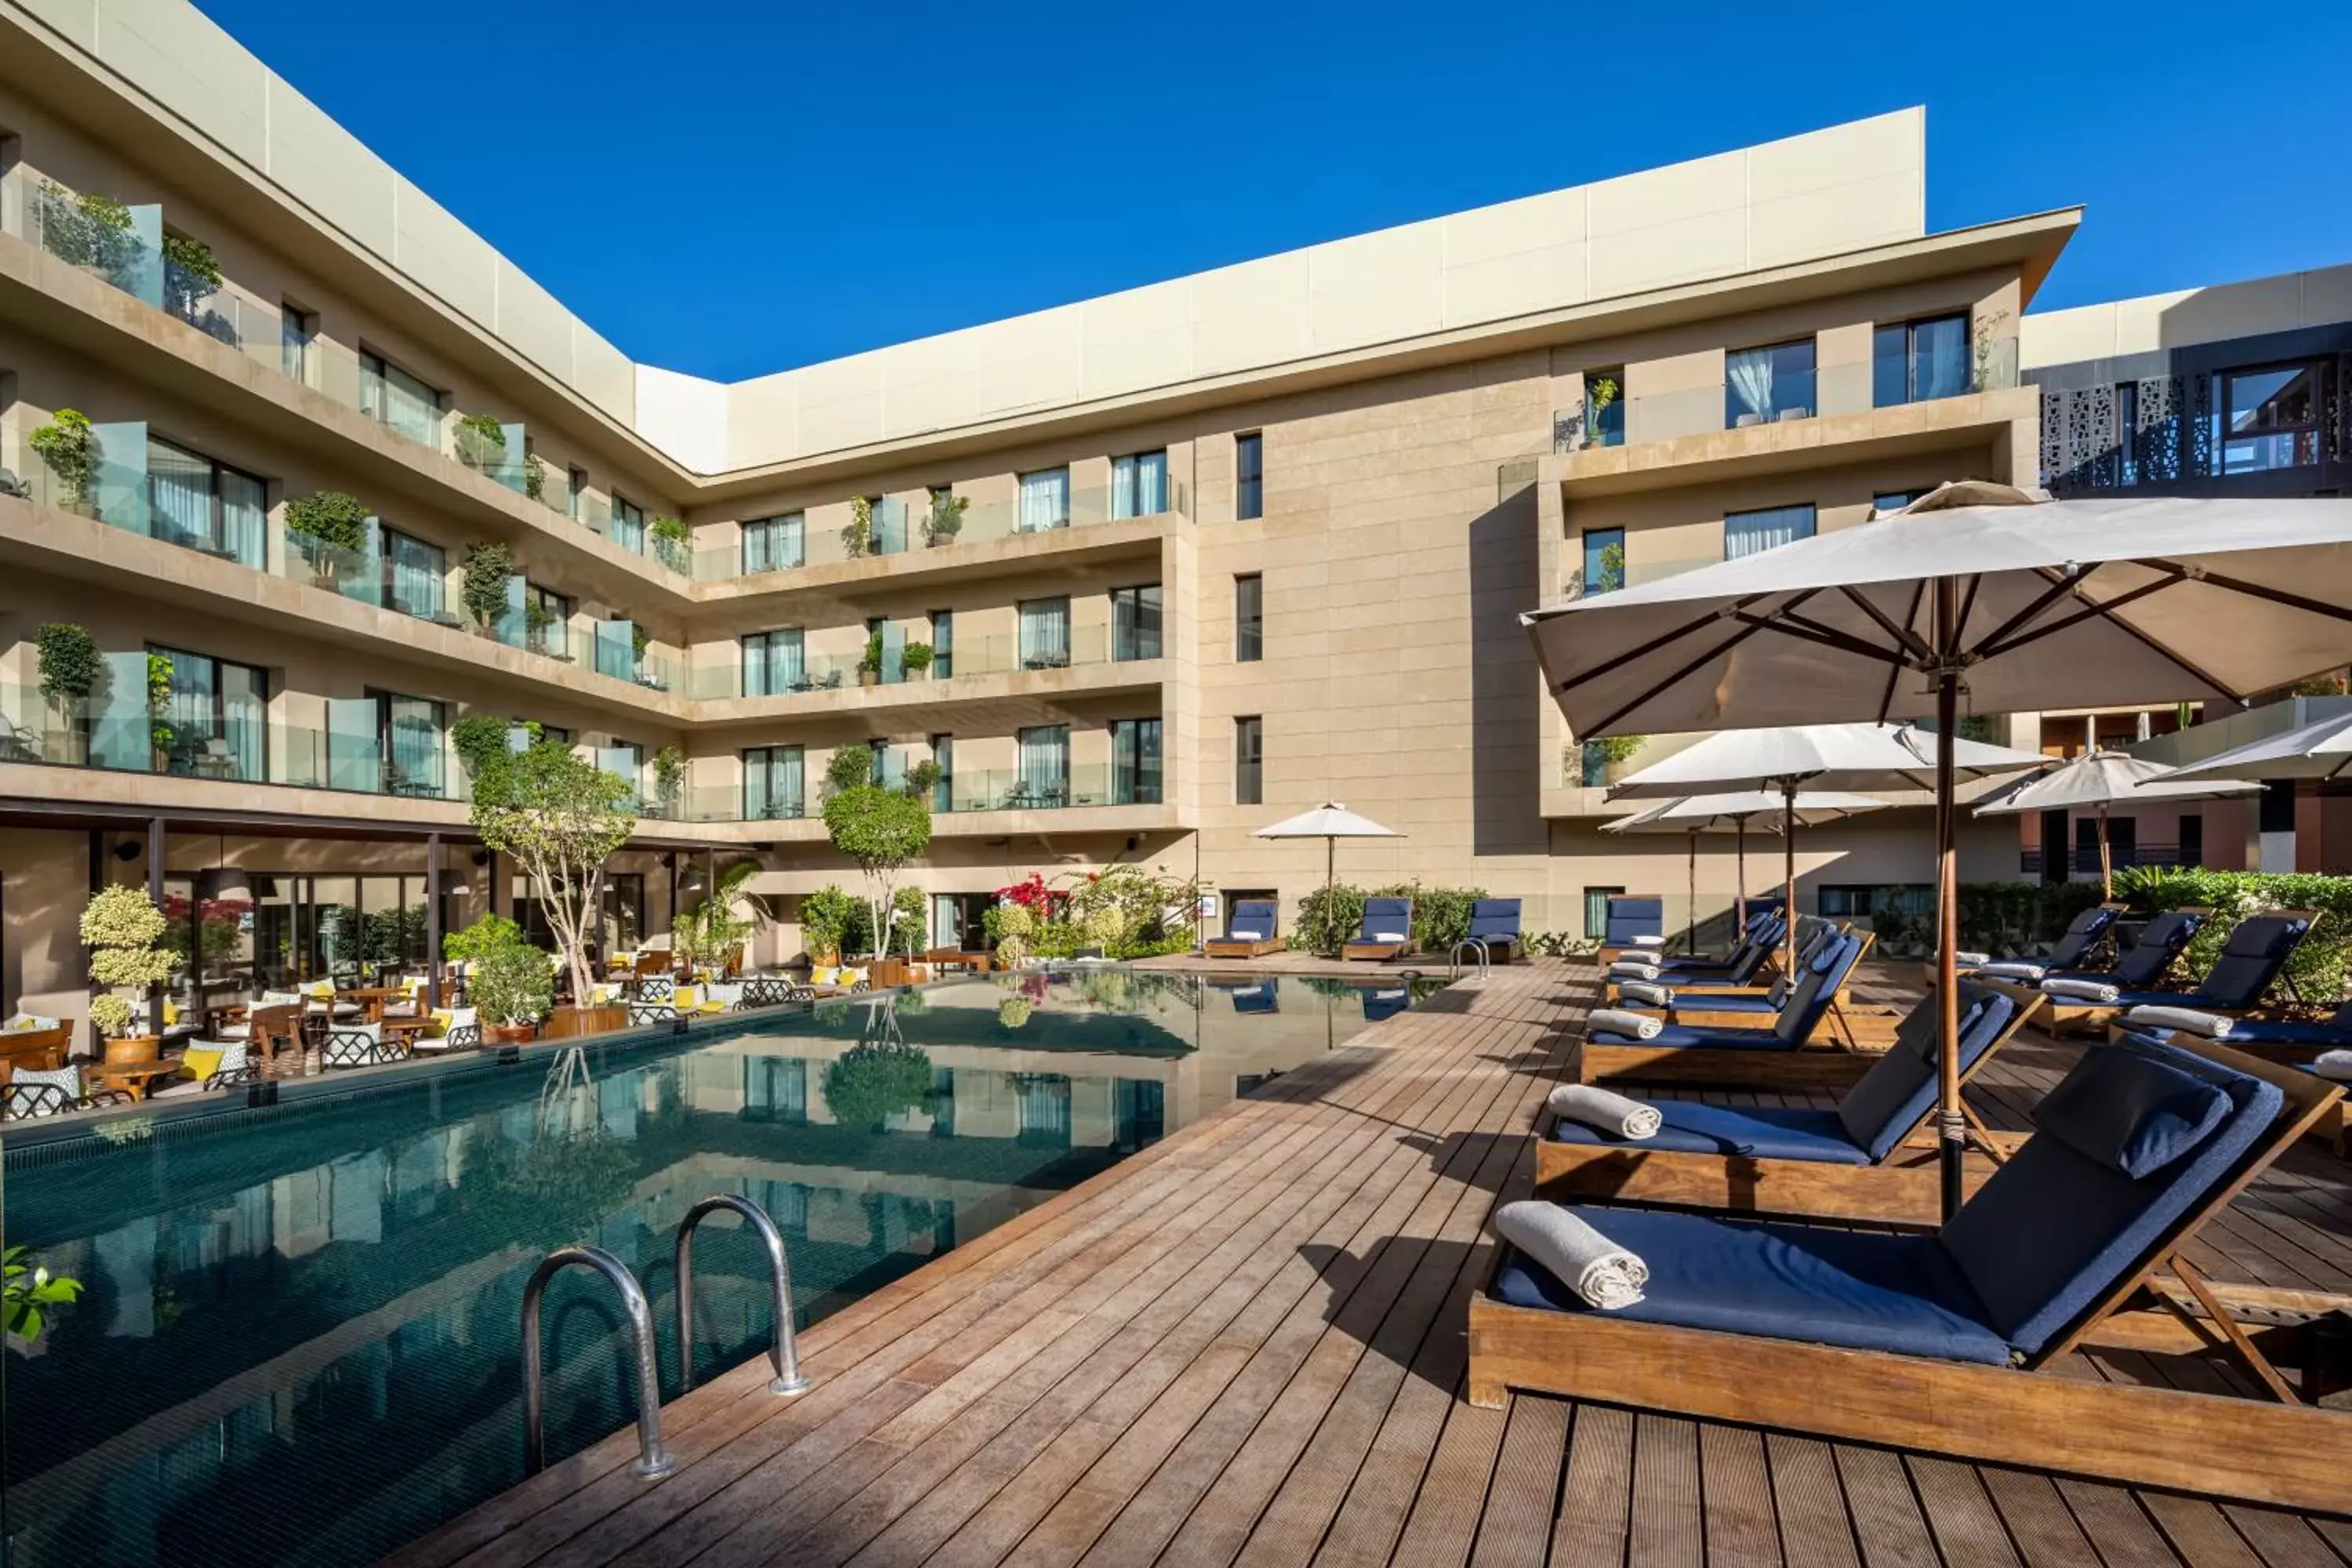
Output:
x=758 y=187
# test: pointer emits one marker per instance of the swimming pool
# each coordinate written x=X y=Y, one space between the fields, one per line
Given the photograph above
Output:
x=299 y=1339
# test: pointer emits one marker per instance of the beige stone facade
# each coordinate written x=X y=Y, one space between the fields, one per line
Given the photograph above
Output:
x=1419 y=398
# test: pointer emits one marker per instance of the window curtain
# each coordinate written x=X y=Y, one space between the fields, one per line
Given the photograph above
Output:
x=1745 y=532
x=244 y=518
x=192 y=709
x=1045 y=500
x=394 y=397
x=180 y=497
x=413 y=745
x=1045 y=634
x=1045 y=1110
x=245 y=720
x=1046 y=762
x=416 y=576
x=1135 y=622
x=943 y=787
x=1939 y=358
x=1747 y=374
x=628 y=526
x=1138 y=484
x=771 y=544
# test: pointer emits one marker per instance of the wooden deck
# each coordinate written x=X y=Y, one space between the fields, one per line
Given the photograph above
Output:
x=1245 y=1344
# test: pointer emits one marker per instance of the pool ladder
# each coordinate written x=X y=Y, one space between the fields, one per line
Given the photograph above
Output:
x=1478 y=951
x=654 y=1460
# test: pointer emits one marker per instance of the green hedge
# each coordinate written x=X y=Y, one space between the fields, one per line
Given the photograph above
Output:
x=2319 y=967
x=1329 y=917
x=1995 y=917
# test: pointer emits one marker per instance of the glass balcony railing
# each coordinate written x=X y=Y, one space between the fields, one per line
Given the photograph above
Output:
x=1012 y=789
x=899 y=529
x=1086 y=646
x=122 y=495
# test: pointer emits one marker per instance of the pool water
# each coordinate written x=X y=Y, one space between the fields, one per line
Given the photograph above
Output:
x=299 y=1338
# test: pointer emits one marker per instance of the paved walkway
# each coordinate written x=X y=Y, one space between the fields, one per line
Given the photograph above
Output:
x=1246 y=1345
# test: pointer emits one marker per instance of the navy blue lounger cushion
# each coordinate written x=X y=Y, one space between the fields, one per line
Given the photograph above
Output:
x=1887 y=1102
x=1493 y=917
x=2053 y=1228
x=1632 y=915
x=1858 y=1290
x=1761 y=1132
x=1714 y=1039
x=2160 y=942
x=1255 y=915
x=1385 y=919
x=2136 y=1116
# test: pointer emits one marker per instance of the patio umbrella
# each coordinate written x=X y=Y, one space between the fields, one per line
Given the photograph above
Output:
x=2031 y=604
x=1824 y=756
x=1330 y=821
x=1698 y=813
x=2099 y=780
x=2320 y=751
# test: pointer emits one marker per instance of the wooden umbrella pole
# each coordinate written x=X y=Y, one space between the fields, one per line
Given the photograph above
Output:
x=1740 y=888
x=1690 y=924
x=2106 y=867
x=1950 y=1124
x=1789 y=871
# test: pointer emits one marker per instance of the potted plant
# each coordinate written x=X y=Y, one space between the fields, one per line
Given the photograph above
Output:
x=72 y=670
x=190 y=277
x=826 y=916
x=538 y=621
x=510 y=982
x=490 y=565
x=869 y=665
x=946 y=519
x=672 y=544
x=858 y=535
x=124 y=933
x=534 y=476
x=325 y=526
x=482 y=441
x=669 y=776
x=916 y=659
x=162 y=735
x=69 y=445
x=1598 y=396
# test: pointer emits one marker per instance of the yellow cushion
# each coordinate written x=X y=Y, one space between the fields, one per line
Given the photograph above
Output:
x=688 y=996
x=820 y=976
x=201 y=1062
x=712 y=1007
x=853 y=977
x=442 y=1019
x=325 y=990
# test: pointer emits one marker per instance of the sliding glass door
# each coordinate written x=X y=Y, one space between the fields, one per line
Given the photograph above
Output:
x=216 y=718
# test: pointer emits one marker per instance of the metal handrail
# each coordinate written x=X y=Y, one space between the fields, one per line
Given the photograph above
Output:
x=653 y=1459
x=788 y=1378
x=1478 y=948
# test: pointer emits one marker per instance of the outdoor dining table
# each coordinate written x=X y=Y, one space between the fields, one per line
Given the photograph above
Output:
x=137 y=1079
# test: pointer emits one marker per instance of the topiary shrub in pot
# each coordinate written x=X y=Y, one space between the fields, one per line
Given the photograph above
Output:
x=327 y=527
x=508 y=980
x=69 y=445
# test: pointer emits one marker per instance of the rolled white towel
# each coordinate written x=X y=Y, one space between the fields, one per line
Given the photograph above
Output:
x=1646 y=993
x=2212 y=1025
x=1972 y=960
x=1604 y=1274
x=1245 y=936
x=1388 y=936
x=2336 y=1065
x=1634 y=969
x=1597 y=1108
x=2080 y=991
x=1617 y=1021
x=2029 y=974
x=1647 y=941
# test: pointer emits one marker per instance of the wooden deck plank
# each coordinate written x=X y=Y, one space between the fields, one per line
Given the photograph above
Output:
x=1245 y=1344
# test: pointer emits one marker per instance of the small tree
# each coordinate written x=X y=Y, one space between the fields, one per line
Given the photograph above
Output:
x=714 y=929
x=325 y=525
x=191 y=276
x=489 y=566
x=68 y=443
x=71 y=666
x=858 y=535
x=672 y=544
x=825 y=917
x=946 y=517
x=882 y=830
x=560 y=818
x=850 y=767
x=669 y=775
x=124 y=933
x=484 y=741
x=481 y=440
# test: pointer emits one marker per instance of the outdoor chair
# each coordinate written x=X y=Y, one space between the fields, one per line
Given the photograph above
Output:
x=208 y=1065
x=345 y=1045
x=2143 y=966
x=31 y=1094
x=1782 y=1054
x=2072 y=950
x=1960 y=1339
x=2252 y=963
x=1859 y=1160
x=1632 y=915
x=1738 y=974
x=1386 y=932
x=460 y=1030
x=1250 y=932
x=1495 y=926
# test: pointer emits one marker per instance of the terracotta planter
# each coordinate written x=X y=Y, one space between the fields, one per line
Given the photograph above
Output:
x=869 y=677
x=129 y=1049
x=512 y=1033
x=572 y=1023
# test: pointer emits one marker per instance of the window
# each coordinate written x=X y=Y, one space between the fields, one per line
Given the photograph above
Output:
x=297 y=329
x=774 y=663
x=628 y=525
x=943 y=785
x=2192 y=848
x=2266 y=419
x=389 y=395
x=575 y=494
x=1745 y=532
x=1596 y=909
x=1249 y=761
x=1135 y=622
x=1249 y=618
x=1138 y=484
x=409 y=731
x=1044 y=766
x=1135 y=761
x=1861 y=900
x=1605 y=406
x=942 y=643
x=1763 y=385
x=215 y=723
x=771 y=784
x=1249 y=475
x=774 y=543
x=1892 y=500
x=201 y=505
x=1604 y=560
x=1913 y=362
x=1045 y=501
x=625 y=761
x=547 y=621
x=555 y=732
x=1046 y=633
x=416 y=576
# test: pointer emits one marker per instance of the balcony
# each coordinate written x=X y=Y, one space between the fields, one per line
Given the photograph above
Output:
x=2085 y=862
x=1087 y=647
x=1705 y=434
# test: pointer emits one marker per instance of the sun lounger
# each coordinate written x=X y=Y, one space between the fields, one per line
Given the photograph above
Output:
x=1250 y=933
x=1714 y=1052
x=2292 y=1040
x=1860 y=1161
x=2251 y=963
x=1262 y=997
x=1495 y=926
x=1386 y=933
x=1952 y=1340
x=2142 y=966
x=1744 y=976
x=1749 y=936
x=1632 y=915
x=2071 y=952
